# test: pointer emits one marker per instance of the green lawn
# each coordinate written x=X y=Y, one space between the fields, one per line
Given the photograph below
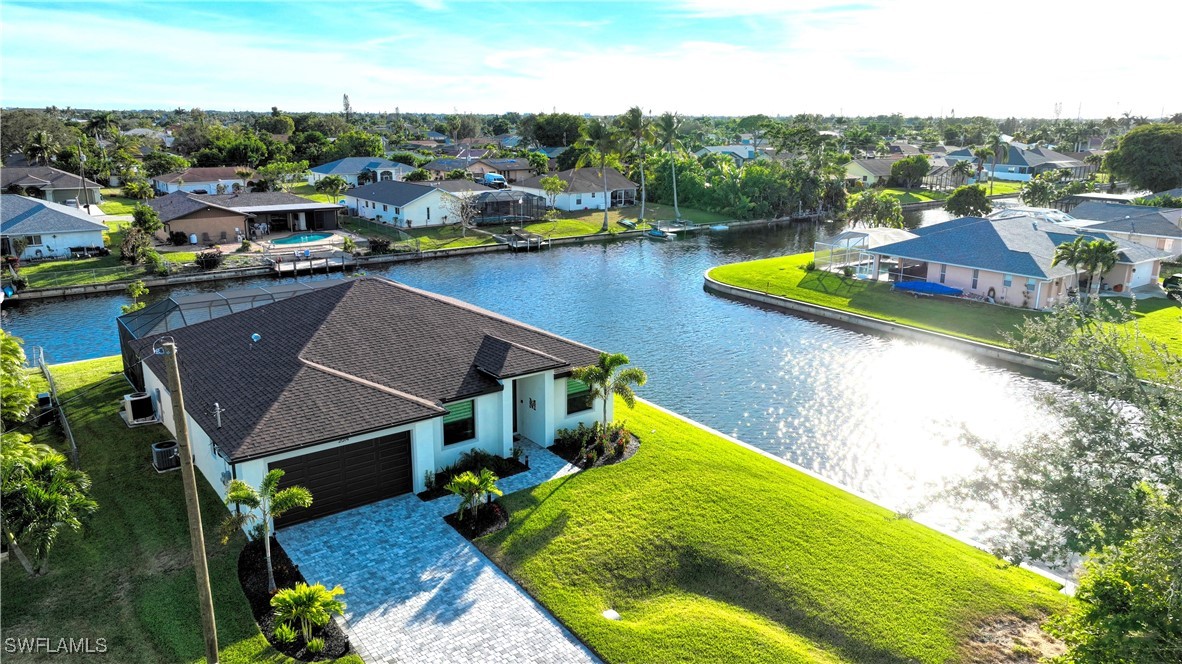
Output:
x=1002 y=188
x=713 y=553
x=906 y=196
x=309 y=192
x=114 y=202
x=1159 y=319
x=652 y=212
x=129 y=577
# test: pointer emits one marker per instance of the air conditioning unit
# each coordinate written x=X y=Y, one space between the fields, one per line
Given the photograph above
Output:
x=166 y=456
x=225 y=477
x=138 y=409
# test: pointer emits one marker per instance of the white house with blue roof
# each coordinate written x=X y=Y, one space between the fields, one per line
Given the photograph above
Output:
x=1009 y=260
x=40 y=229
x=350 y=168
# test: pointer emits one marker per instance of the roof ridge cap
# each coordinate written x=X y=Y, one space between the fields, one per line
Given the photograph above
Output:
x=535 y=351
x=370 y=384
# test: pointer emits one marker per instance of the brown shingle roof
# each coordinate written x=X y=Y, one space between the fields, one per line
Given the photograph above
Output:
x=204 y=174
x=40 y=176
x=363 y=355
x=583 y=180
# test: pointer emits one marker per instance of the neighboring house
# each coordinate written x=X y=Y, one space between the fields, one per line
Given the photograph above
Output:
x=218 y=219
x=48 y=183
x=553 y=152
x=419 y=145
x=1154 y=227
x=351 y=167
x=584 y=189
x=869 y=171
x=463 y=152
x=513 y=169
x=1021 y=164
x=47 y=230
x=904 y=149
x=960 y=154
x=360 y=390
x=457 y=186
x=405 y=204
x=741 y=154
x=201 y=180
x=152 y=134
x=438 y=137
x=1009 y=260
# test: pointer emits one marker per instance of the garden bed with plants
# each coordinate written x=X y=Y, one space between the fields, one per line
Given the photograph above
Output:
x=585 y=448
x=472 y=461
x=490 y=518
x=252 y=573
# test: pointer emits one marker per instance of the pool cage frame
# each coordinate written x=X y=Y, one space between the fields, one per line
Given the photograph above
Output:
x=848 y=252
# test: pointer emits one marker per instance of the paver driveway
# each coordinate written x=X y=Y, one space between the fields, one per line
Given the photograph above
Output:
x=416 y=591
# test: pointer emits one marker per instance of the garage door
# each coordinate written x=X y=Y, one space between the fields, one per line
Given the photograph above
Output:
x=345 y=477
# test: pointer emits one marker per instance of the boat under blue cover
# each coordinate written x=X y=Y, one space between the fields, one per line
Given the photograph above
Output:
x=927 y=288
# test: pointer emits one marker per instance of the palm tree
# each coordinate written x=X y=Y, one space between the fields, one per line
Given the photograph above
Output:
x=310 y=606
x=262 y=505
x=607 y=378
x=997 y=147
x=41 y=147
x=602 y=144
x=41 y=496
x=332 y=185
x=103 y=123
x=638 y=129
x=961 y=170
x=668 y=128
x=1071 y=254
x=1098 y=257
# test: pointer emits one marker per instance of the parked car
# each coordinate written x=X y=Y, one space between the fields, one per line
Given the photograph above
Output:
x=1173 y=281
x=71 y=202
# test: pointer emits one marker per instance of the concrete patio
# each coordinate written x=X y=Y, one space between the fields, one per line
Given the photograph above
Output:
x=417 y=591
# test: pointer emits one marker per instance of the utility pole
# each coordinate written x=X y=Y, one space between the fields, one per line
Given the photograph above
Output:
x=196 y=536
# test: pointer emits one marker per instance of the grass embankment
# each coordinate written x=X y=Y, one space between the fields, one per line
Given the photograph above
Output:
x=129 y=577
x=309 y=192
x=906 y=196
x=713 y=553
x=1159 y=319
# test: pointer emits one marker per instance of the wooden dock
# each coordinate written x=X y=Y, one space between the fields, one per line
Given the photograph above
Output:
x=519 y=240
x=291 y=267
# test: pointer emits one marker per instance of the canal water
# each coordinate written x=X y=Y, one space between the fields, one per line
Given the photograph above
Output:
x=883 y=416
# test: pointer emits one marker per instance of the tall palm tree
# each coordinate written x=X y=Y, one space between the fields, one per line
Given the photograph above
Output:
x=998 y=148
x=601 y=144
x=1071 y=254
x=608 y=377
x=982 y=154
x=639 y=131
x=41 y=147
x=668 y=129
x=41 y=497
x=1099 y=257
x=103 y=124
x=961 y=170
x=262 y=505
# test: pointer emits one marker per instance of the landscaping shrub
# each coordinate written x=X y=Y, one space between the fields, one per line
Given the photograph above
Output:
x=244 y=247
x=153 y=261
x=284 y=633
x=378 y=245
x=178 y=239
x=316 y=645
x=209 y=260
x=134 y=245
x=349 y=245
x=847 y=271
x=810 y=266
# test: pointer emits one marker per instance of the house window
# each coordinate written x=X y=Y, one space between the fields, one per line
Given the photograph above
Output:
x=428 y=214
x=578 y=396
x=976 y=275
x=1008 y=280
x=943 y=273
x=32 y=239
x=1030 y=284
x=579 y=199
x=459 y=424
x=397 y=210
x=384 y=208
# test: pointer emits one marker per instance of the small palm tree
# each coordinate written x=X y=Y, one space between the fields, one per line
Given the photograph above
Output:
x=310 y=606
x=668 y=129
x=1099 y=256
x=471 y=487
x=602 y=144
x=103 y=124
x=607 y=377
x=332 y=185
x=262 y=506
x=961 y=170
x=41 y=496
x=639 y=131
x=997 y=148
x=1071 y=254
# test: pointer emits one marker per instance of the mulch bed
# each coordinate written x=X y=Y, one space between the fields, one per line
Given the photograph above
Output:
x=252 y=574
x=489 y=519
x=506 y=468
x=572 y=456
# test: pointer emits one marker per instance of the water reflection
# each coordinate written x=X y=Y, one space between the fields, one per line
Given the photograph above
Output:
x=880 y=415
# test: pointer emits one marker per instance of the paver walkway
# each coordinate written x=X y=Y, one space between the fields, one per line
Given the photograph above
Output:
x=417 y=591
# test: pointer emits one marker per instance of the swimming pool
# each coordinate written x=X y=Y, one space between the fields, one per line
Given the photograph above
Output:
x=302 y=238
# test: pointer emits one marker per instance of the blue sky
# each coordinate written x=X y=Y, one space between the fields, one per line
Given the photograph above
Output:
x=718 y=57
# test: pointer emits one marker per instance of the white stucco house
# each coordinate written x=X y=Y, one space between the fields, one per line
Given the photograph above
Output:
x=405 y=204
x=584 y=189
x=358 y=389
x=202 y=180
x=46 y=230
